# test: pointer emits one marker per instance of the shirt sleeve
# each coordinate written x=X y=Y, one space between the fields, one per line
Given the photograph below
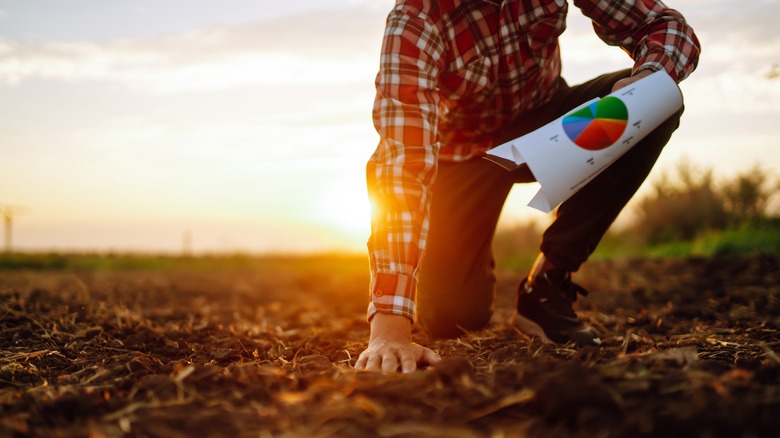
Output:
x=401 y=171
x=655 y=36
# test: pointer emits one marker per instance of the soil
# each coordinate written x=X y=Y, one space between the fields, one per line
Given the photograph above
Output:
x=265 y=348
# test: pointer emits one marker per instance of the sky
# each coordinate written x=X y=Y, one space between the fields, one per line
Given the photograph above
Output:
x=246 y=125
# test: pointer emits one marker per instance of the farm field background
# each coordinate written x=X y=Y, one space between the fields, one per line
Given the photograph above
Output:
x=263 y=347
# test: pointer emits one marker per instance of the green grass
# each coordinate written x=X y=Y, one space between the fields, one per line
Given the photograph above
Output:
x=758 y=237
x=521 y=261
x=748 y=238
x=108 y=262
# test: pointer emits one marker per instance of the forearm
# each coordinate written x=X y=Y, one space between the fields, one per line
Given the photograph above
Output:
x=655 y=36
x=399 y=179
x=669 y=44
x=401 y=171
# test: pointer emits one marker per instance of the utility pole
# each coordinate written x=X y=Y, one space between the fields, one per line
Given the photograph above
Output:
x=8 y=212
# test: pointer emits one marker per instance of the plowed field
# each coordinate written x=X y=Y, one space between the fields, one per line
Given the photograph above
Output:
x=264 y=347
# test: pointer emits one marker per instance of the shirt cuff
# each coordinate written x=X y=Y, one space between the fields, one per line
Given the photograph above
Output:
x=659 y=61
x=649 y=66
x=394 y=294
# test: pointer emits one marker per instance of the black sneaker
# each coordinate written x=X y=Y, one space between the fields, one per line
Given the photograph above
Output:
x=544 y=310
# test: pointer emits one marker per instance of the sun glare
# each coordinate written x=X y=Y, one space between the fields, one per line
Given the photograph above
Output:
x=344 y=205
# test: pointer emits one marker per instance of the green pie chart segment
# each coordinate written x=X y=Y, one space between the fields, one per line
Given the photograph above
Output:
x=598 y=125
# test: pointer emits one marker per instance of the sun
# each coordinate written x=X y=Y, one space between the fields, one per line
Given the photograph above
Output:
x=343 y=205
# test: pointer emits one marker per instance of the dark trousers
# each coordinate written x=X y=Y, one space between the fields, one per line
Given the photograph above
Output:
x=457 y=279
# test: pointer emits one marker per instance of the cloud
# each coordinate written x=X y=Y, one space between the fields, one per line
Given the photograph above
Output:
x=328 y=47
x=750 y=20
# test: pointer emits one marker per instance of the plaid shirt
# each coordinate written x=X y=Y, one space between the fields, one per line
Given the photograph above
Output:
x=452 y=72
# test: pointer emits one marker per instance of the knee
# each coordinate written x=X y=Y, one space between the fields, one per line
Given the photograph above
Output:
x=673 y=122
x=651 y=146
x=665 y=130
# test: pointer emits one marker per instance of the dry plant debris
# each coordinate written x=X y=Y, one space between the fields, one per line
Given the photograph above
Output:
x=691 y=348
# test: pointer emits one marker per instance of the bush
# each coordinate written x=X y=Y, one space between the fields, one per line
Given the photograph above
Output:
x=695 y=204
x=747 y=195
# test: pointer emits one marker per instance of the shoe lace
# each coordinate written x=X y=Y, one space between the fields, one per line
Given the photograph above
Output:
x=569 y=288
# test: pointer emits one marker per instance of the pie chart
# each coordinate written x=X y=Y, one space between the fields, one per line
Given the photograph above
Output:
x=598 y=125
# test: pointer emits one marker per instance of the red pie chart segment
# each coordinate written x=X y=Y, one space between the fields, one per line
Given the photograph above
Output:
x=597 y=126
x=613 y=128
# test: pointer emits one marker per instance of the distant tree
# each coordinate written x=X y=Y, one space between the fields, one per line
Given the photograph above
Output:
x=747 y=195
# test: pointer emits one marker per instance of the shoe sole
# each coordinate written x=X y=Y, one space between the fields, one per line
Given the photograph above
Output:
x=531 y=328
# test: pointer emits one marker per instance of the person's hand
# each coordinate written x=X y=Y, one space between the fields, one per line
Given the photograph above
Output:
x=390 y=347
x=630 y=80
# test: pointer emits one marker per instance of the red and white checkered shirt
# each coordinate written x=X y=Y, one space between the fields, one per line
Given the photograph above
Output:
x=454 y=71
